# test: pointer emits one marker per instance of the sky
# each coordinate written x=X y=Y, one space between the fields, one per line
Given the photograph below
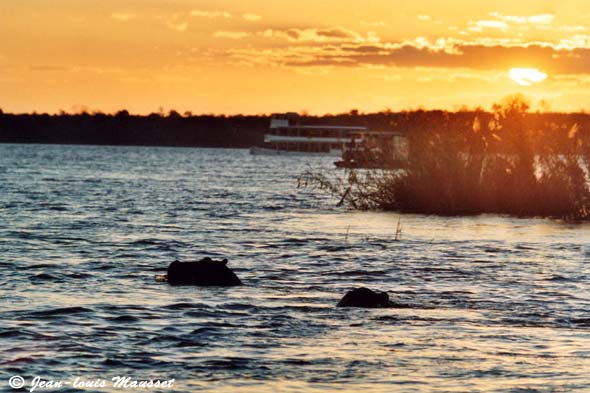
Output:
x=319 y=56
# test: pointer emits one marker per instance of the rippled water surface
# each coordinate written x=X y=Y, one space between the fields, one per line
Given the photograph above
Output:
x=494 y=303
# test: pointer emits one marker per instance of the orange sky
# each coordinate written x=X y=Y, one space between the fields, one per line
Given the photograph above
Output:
x=262 y=56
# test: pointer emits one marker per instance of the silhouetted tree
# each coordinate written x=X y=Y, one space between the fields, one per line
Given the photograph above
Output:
x=174 y=114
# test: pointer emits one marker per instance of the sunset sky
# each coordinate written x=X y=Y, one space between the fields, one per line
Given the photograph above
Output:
x=262 y=56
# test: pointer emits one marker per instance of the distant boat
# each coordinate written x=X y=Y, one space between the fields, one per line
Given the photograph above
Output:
x=287 y=136
x=378 y=150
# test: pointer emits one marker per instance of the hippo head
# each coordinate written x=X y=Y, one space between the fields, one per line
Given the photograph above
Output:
x=206 y=272
x=364 y=297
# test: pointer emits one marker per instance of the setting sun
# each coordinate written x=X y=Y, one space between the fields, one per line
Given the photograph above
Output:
x=527 y=76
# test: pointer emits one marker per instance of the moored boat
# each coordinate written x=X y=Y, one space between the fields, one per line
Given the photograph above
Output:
x=287 y=136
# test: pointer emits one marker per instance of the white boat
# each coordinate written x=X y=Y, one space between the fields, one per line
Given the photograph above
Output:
x=286 y=136
x=262 y=151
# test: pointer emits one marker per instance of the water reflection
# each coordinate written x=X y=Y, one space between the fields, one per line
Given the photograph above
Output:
x=496 y=303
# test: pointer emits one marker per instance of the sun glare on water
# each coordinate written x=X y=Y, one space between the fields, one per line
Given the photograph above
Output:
x=527 y=76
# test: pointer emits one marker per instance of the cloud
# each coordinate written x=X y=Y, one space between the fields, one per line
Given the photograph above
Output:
x=314 y=71
x=574 y=80
x=319 y=35
x=210 y=14
x=341 y=47
x=491 y=24
x=178 y=26
x=452 y=75
x=373 y=24
x=234 y=35
x=503 y=22
x=576 y=41
x=571 y=29
x=122 y=16
x=392 y=77
x=251 y=17
x=552 y=59
x=75 y=69
x=539 y=19
x=424 y=18
x=543 y=19
x=48 y=68
x=547 y=59
x=250 y=56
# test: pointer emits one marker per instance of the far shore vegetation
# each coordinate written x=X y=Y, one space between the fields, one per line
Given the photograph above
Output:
x=190 y=129
x=507 y=161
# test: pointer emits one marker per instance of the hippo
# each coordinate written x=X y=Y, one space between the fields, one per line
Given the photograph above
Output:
x=366 y=298
x=206 y=272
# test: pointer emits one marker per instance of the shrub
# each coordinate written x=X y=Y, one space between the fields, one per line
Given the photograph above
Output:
x=506 y=165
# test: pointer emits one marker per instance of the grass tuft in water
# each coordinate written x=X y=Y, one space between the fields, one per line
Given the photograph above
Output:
x=504 y=163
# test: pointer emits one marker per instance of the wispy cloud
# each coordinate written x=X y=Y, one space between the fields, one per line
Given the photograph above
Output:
x=503 y=22
x=574 y=42
x=392 y=77
x=177 y=21
x=424 y=18
x=377 y=23
x=314 y=71
x=539 y=19
x=210 y=14
x=464 y=55
x=320 y=35
x=251 y=17
x=571 y=29
x=178 y=26
x=492 y=24
x=234 y=35
x=480 y=54
x=459 y=74
x=48 y=68
x=122 y=16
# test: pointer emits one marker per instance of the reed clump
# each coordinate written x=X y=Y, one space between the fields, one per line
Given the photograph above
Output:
x=505 y=162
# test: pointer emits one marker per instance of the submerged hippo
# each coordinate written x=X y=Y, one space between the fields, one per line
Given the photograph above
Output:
x=205 y=272
x=364 y=297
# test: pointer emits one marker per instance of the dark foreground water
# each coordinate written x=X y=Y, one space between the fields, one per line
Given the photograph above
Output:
x=495 y=304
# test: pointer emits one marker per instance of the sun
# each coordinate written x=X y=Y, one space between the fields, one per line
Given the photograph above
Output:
x=526 y=76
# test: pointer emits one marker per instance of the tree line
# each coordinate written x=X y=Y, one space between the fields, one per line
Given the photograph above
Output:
x=242 y=131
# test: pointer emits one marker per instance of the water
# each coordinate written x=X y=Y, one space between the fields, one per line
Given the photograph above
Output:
x=495 y=304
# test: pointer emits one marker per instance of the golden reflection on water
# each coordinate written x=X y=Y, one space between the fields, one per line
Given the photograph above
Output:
x=487 y=227
x=494 y=303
